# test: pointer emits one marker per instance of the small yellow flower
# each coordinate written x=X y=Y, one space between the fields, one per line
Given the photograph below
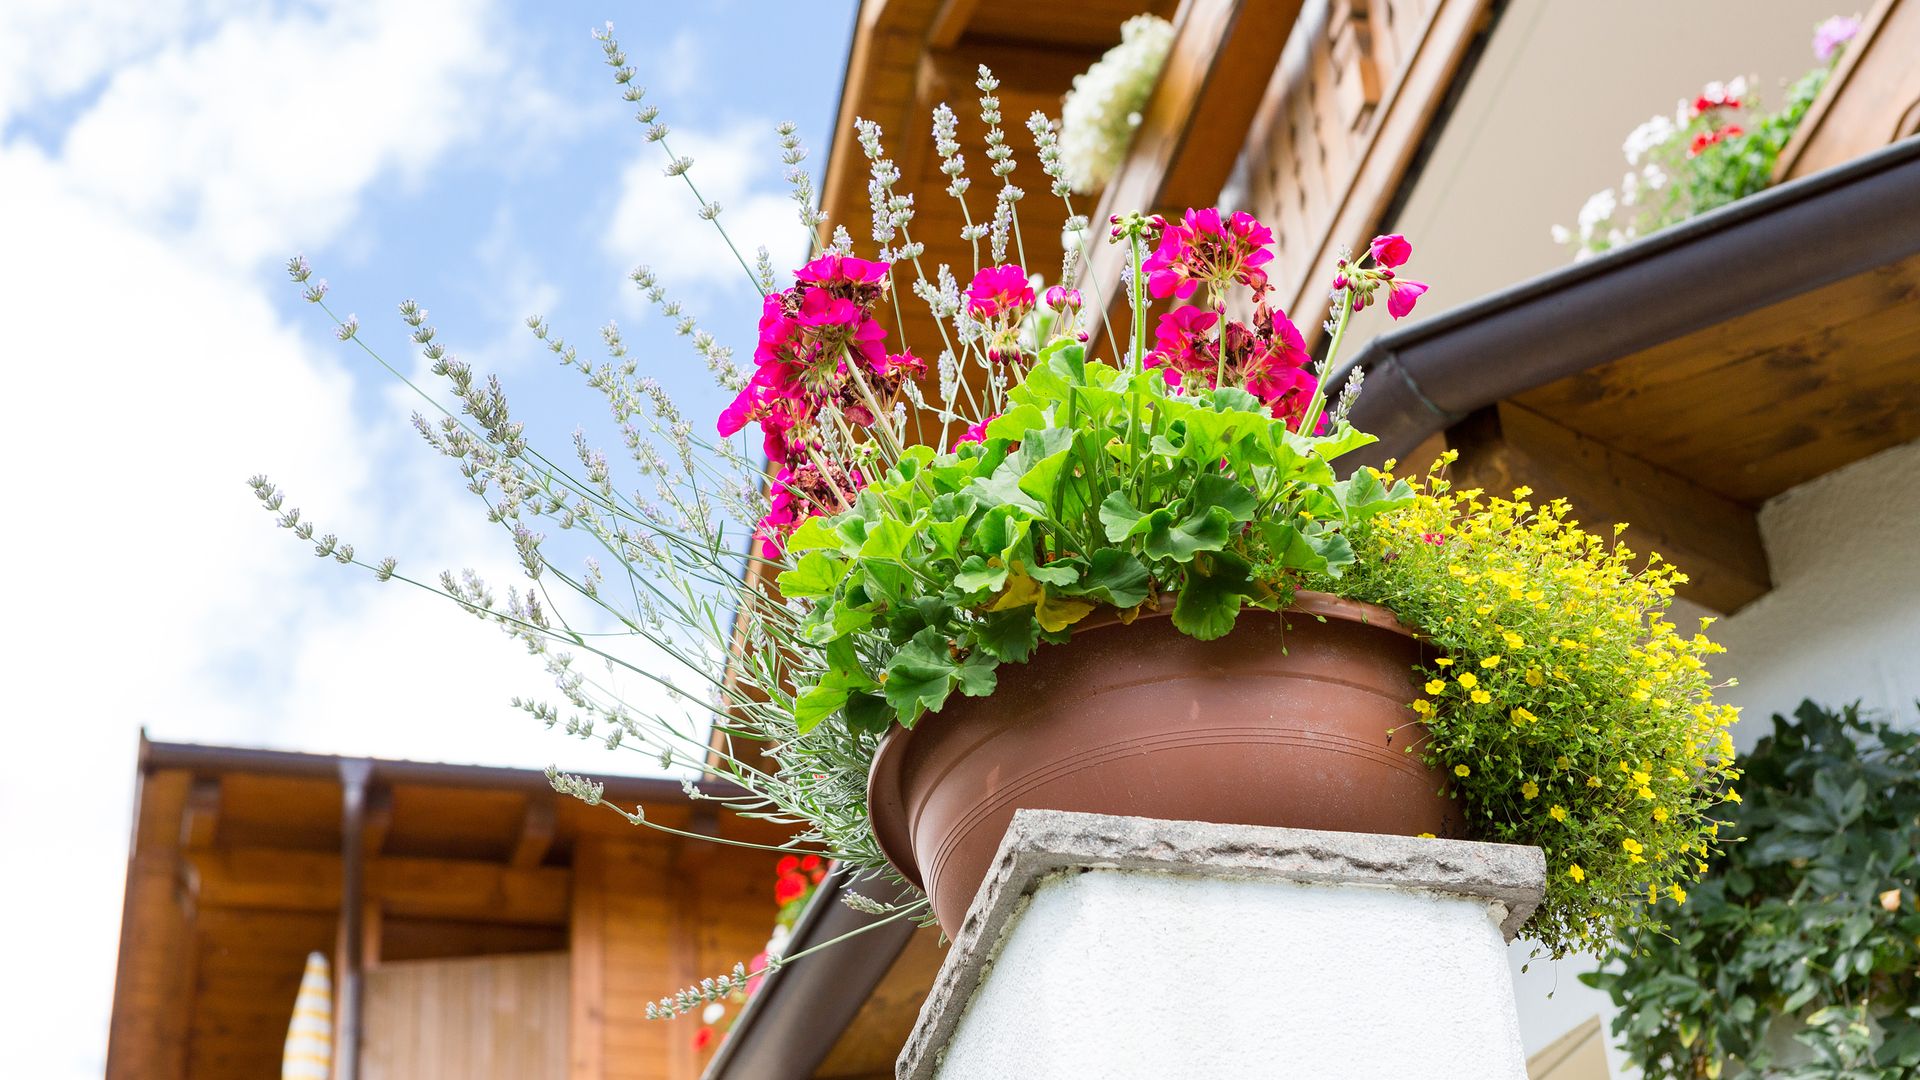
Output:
x=1423 y=836
x=1558 y=813
x=1660 y=813
x=1435 y=686
x=1703 y=867
x=1890 y=900
x=1653 y=892
x=1733 y=796
x=1490 y=662
x=1514 y=641
x=1445 y=661
x=1679 y=894
x=1562 y=762
x=1576 y=873
x=1522 y=716
x=1469 y=680
x=1480 y=697
x=1422 y=707
x=1530 y=789
x=1646 y=793
x=1631 y=846
x=1462 y=770
x=1535 y=677
x=1593 y=781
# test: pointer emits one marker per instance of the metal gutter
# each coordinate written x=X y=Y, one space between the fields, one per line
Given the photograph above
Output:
x=199 y=757
x=794 y=1020
x=1766 y=248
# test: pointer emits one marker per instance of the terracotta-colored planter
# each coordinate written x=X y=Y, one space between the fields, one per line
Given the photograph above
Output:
x=1285 y=721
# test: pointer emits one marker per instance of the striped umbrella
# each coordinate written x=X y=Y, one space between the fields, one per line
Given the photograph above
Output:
x=309 y=1052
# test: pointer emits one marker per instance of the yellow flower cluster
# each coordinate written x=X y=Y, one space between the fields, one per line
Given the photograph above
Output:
x=1568 y=711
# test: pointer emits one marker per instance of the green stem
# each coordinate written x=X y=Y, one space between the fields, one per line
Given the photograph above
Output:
x=1315 y=404
x=1136 y=356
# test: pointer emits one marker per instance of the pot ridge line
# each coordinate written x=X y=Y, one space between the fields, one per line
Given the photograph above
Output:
x=1032 y=778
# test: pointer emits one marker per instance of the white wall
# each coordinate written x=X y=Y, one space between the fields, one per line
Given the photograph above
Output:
x=1128 y=974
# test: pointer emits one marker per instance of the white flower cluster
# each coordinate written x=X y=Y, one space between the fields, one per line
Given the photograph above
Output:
x=1100 y=113
x=1650 y=149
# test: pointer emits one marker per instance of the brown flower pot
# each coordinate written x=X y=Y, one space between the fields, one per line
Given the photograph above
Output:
x=1296 y=719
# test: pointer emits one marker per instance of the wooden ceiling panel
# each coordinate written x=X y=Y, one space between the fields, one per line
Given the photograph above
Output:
x=873 y=1040
x=1084 y=24
x=1844 y=360
x=456 y=823
x=294 y=812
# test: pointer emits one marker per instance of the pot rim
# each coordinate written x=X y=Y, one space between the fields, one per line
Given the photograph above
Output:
x=883 y=775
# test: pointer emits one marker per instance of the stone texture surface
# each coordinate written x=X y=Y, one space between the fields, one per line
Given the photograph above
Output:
x=1098 y=942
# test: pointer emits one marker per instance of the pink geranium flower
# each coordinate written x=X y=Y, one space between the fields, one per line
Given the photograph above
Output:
x=1203 y=248
x=1061 y=298
x=1183 y=341
x=1401 y=297
x=1000 y=294
x=977 y=432
x=832 y=269
x=1391 y=250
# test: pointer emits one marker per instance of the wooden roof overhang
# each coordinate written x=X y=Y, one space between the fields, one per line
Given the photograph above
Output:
x=447 y=857
x=1680 y=382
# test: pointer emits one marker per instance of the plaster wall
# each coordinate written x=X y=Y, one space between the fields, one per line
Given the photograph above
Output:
x=1124 y=974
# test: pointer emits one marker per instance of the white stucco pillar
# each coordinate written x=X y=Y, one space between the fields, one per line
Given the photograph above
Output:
x=1122 y=948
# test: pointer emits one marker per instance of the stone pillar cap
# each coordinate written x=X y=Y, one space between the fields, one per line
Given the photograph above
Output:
x=1041 y=843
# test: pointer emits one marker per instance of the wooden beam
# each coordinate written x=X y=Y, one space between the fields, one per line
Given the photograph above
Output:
x=1223 y=55
x=1713 y=539
x=378 y=821
x=536 y=833
x=1871 y=99
x=200 y=821
x=405 y=887
x=950 y=22
x=152 y=989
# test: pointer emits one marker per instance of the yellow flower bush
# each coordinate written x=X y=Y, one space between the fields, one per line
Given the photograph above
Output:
x=1567 y=710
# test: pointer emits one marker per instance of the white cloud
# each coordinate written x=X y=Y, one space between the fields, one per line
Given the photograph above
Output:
x=148 y=375
x=655 y=221
x=269 y=128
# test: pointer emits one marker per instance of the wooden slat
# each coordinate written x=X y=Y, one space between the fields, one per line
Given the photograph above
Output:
x=249 y=967
x=950 y=22
x=879 y=1030
x=1355 y=93
x=151 y=997
x=1714 y=540
x=587 y=963
x=1872 y=98
x=406 y=887
x=1202 y=105
x=1753 y=406
x=478 y=1018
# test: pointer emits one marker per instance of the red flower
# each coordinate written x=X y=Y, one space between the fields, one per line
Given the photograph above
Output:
x=789 y=888
x=811 y=862
x=702 y=1039
x=787 y=865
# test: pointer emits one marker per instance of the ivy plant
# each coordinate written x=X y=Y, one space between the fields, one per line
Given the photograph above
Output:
x=1807 y=935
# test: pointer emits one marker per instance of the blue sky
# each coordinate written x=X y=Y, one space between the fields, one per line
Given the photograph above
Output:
x=158 y=162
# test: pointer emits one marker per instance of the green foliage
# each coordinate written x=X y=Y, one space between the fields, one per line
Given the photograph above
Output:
x=1741 y=165
x=1564 y=708
x=1096 y=490
x=1811 y=922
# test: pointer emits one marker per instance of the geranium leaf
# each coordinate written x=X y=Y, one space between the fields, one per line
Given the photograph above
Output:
x=816 y=574
x=1209 y=602
x=1118 y=516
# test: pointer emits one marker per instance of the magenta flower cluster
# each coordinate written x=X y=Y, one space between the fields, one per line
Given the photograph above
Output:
x=819 y=347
